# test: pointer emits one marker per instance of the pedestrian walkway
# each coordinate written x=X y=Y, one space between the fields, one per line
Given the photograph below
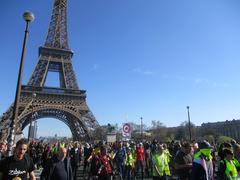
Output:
x=80 y=175
x=37 y=173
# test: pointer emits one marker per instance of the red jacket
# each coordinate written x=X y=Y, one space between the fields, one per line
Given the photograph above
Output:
x=140 y=153
x=106 y=167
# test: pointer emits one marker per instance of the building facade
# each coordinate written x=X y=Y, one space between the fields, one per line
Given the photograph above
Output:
x=226 y=128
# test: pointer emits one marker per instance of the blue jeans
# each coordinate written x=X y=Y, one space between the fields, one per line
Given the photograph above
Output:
x=129 y=170
x=121 y=170
x=140 y=164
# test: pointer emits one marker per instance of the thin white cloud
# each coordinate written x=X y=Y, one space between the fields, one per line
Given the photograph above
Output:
x=195 y=80
x=144 y=72
x=148 y=72
x=95 y=67
x=136 y=70
x=166 y=76
x=201 y=80
x=215 y=84
x=210 y=82
x=181 y=78
x=174 y=77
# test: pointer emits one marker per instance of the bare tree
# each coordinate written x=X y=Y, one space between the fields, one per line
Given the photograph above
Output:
x=183 y=131
x=158 y=130
x=100 y=133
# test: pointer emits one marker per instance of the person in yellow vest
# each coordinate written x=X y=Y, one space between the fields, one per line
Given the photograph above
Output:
x=160 y=163
x=228 y=170
x=236 y=159
x=202 y=166
x=129 y=163
x=133 y=150
x=54 y=149
x=166 y=152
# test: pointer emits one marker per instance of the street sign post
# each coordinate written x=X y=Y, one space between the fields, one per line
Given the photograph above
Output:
x=126 y=131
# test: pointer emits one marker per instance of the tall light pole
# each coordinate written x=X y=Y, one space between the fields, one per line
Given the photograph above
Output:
x=189 y=124
x=141 y=128
x=28 y=17
x=30 y=126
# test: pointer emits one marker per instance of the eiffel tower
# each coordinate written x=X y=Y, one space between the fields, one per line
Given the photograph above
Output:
x=66 y=103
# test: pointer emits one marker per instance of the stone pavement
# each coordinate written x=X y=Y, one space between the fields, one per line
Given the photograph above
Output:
x=80 y=175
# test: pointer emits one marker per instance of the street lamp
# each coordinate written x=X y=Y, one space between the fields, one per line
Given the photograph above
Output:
x=141 y=128
x=189 y=124
x=30 y=126
x=28 y=17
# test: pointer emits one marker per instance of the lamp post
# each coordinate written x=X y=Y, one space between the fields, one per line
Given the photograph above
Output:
x=141 y=128
x=189 y=124
x=30 y=126
x=28 y=17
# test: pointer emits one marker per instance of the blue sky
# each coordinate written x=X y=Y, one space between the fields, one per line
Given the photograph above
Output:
x=148 y=58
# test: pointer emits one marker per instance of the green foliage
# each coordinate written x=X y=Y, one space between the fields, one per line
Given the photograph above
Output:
x=222 y=139
x=210 y=138
x=169 y=138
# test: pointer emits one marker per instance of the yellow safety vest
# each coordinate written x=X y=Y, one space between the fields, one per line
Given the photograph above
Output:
x=161 y=162
x=231 y=170
x=130 y=160
x=134 y=154
x=167 y=153
x=54 y=150
x=96 y=150
x=62 y=145
x=236 y=162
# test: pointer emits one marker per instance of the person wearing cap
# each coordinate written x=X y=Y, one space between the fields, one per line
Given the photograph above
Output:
x=227 y=170
x=202 y=164
x=160 y=164
x=225 y=145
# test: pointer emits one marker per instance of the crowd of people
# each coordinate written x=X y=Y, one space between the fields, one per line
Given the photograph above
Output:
x=121 y=160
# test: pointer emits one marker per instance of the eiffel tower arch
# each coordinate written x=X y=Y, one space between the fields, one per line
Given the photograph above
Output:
x=66 y=103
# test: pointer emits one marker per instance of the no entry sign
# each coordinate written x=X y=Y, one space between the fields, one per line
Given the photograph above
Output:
x=126 y=128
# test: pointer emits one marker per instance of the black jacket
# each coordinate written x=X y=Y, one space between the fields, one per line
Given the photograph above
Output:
x=75 y=156
x=47 y=173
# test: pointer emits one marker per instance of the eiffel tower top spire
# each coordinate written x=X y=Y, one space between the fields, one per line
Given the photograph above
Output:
x=57 y=32
x=55 y=55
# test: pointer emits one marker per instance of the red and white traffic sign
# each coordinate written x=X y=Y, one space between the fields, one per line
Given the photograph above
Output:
x=126 y=128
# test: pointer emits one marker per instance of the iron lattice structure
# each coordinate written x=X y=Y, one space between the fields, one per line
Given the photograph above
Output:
x=66 y=103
